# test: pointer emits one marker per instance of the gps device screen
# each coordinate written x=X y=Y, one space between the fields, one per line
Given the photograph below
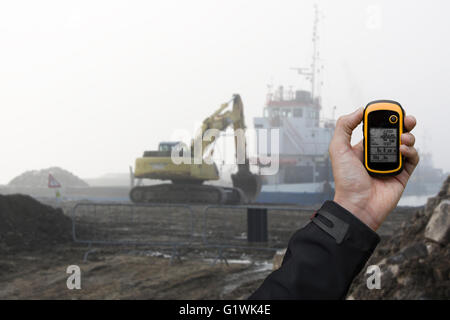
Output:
x=383 y=145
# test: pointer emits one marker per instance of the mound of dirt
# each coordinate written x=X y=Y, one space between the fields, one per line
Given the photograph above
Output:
x=39 y=179
x=415 y=262
x=27 y=223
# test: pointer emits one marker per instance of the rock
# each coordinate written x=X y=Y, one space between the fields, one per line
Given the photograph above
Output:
x=431 y=247
x=393 y=269
x=438 y=228
x=389 y=273
x=440 y=274
x=404 y=281
x=432 y=203
x=396 y=259
x=445 y=190
x=382 y=262
x=417 y=250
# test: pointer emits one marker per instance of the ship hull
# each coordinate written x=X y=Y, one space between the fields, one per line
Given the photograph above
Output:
x=303 y=194
x=297 y=198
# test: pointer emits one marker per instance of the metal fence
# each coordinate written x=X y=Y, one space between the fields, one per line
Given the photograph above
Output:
x=157 y=225
x=176 y=225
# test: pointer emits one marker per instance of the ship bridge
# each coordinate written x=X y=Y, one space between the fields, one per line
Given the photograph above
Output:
x=303 y=137
x=297 y=117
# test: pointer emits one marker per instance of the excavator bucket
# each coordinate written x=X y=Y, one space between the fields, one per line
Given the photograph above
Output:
x=248 y=182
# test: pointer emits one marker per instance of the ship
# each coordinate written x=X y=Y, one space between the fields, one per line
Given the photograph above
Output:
x=304 y=174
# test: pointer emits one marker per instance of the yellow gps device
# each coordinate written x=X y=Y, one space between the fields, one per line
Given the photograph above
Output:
x=382 y=128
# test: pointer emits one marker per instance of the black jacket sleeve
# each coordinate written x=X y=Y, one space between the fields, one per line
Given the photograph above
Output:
x=322 y=258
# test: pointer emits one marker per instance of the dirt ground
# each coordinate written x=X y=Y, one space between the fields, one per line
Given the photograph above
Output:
x=136 y=268
x=124 y=273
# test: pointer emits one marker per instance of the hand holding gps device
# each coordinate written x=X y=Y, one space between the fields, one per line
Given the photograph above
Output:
x=382 y=128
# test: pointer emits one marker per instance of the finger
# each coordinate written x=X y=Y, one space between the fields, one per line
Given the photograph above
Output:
x=346 y=124
x=410 y=123
x=412 y=157
x=408 y=139
x=410 y=153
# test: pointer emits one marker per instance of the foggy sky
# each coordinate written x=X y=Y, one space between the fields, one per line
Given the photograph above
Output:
x=89 y=85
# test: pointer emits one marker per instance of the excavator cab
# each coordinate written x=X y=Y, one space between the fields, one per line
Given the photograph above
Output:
x=165 y=149
x=168 y=146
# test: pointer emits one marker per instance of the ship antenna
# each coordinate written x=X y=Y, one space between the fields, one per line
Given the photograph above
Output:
x=315 y=38
x=310 y=73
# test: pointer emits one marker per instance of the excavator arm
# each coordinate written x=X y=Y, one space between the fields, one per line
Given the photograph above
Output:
x=220 y=120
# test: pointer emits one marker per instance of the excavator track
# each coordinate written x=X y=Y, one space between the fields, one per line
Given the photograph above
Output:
x=187 y=193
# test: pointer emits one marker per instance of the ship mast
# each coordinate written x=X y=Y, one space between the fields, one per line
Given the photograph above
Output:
x=315 y=39
x=311 y=72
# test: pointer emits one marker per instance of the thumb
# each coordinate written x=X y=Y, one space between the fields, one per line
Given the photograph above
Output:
x=346 y=124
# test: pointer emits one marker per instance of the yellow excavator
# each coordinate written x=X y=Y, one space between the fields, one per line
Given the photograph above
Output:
x=187 y=177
